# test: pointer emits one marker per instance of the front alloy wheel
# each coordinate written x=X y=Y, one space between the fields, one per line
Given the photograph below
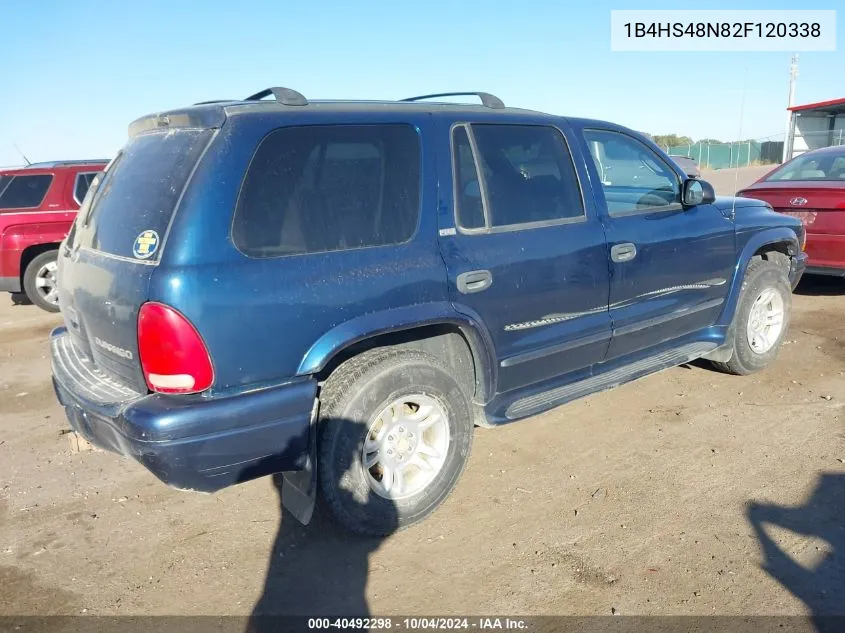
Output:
x=765 y=321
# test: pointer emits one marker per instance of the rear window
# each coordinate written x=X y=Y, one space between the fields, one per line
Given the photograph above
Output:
x=24 y=192
x=133 y=200
x=825 y=166
x=80 y=187
x=313 y=189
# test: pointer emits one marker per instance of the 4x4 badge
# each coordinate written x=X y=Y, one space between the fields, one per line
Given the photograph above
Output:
x=146 y=244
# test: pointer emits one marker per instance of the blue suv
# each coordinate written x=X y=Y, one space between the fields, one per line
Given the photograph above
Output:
x=341 y=290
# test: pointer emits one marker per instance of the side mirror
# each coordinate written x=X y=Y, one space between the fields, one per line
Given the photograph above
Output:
x=697 y=192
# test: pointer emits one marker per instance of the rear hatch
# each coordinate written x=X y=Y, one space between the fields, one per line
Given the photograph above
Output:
x=107 y=260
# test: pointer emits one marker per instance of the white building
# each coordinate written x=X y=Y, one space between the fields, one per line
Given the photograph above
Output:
x=815 y=125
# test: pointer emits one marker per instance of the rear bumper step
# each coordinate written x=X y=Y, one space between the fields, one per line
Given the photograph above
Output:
x=195 y=443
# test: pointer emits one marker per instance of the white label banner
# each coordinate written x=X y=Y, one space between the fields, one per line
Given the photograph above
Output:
x=723 y=30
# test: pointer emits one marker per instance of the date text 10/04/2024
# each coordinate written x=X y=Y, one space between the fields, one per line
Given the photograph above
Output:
x=418 y=623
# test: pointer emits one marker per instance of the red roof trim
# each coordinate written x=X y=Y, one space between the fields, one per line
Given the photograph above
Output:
x=818 y=106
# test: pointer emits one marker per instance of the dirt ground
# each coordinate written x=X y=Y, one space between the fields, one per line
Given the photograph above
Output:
x=648 y=499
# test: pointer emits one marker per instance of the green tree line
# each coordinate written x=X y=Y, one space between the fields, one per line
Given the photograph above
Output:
x=673 y=140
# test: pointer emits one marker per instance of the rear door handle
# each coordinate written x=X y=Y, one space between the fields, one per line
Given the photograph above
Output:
x=474 y=281
x=623 y=252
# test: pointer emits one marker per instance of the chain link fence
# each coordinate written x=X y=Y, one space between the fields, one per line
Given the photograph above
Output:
x=726 y=155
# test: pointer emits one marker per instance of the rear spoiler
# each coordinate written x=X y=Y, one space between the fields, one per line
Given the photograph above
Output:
x=197 y=117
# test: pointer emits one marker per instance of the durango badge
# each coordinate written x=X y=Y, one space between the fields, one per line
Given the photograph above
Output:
x=146 y=244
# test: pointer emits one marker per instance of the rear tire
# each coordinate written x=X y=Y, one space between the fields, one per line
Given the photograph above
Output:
x=39 y=281
x=415 y=456
x=761 y=320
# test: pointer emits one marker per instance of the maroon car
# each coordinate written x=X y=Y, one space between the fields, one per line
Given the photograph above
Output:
x=811 y=187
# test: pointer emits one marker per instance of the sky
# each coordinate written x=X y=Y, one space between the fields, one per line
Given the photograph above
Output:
x=75 y=74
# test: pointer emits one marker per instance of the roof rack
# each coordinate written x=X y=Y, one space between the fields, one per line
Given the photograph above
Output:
x=65 y=163
x=213 y=101
x=487 y=100
x=285 y=96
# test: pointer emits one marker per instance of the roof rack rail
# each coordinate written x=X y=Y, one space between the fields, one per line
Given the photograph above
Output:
x=285 y=96
x=213 y=101
x=64 y=163
x=487 y=100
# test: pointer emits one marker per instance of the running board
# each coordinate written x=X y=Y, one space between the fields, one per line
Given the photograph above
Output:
x=537 y=403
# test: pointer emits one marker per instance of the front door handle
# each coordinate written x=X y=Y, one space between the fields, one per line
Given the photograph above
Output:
x=623 y=252
x=474 y=281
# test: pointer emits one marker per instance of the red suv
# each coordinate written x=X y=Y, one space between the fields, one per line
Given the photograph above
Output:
x=37 y=206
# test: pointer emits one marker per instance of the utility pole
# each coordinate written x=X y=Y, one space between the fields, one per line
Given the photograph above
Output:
x=790 y=117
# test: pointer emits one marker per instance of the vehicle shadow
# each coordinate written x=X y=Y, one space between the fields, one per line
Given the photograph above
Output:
x=318 y=570
x=820 y=286
x=821 y=588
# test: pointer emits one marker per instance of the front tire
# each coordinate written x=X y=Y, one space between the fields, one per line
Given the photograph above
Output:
x=394 y=435
x=761 y=320
x=39 y=281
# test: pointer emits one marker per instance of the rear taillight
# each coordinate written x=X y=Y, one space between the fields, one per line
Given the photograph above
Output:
x=173 y=355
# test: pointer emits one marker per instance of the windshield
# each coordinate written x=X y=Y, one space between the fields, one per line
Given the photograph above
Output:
x=816 y=167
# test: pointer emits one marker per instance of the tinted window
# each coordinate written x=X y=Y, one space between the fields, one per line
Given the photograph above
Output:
x=527 y=174
x=826 y=166
x=314 y=189
x=634 y=178
x=4 y=181
x=470 y=210
x=83 y=182
x=25 y=192
x=138 y=191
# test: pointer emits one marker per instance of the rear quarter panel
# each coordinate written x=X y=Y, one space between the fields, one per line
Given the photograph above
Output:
x=260 y=317
x=19 y=231
x=49 y=223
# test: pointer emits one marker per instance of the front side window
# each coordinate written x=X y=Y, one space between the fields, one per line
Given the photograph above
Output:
x=313 y=189
x=633 y=177
x=25 y=192
x=513 y=176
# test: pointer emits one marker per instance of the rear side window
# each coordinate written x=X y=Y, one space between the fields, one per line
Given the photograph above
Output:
x=313 y=189
x=24 y=192
x=80 y=187
x=513 y=176
x=136 y=196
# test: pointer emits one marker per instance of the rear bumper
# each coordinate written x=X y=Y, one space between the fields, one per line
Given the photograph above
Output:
x=827 y=254
x=825 y=270
x=797 y=268
x=10 y=284
x=194 y=443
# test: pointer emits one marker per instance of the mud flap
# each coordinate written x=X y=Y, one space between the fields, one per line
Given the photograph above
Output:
x=299 y=488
